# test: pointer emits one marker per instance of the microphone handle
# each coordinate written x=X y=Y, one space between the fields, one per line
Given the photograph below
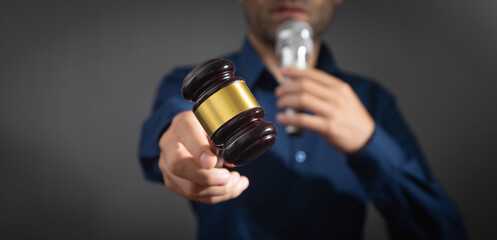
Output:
x=298 y=60
x=290 y=130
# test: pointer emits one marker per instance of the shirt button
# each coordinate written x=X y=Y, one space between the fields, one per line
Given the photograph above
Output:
x=300 y=156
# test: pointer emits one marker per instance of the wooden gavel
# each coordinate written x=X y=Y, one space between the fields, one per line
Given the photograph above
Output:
x=228 y=112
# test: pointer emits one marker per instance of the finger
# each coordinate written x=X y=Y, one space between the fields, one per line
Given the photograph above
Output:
x=314 y=74
x=213 y=194
x=306 y=102
x=202 y=191
x=305 y=121
x=301 y=85
x=234 y=191
x=192 y=135
x=180 y=186
x=169 y=181
x=180 y=162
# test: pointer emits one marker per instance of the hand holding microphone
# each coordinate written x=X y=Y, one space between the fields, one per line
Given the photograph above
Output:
x=337 y=114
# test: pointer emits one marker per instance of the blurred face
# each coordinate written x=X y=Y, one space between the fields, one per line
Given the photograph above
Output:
x=264 y=16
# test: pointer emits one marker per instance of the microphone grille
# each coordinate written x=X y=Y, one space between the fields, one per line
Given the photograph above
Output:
x=294 y=33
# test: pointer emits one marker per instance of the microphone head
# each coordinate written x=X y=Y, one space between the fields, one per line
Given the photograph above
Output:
x=293 y=34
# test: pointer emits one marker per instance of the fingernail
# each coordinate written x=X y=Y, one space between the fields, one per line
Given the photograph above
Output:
x=206 y=160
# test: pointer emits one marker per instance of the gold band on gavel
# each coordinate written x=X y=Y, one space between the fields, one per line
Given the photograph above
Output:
x=224 y=105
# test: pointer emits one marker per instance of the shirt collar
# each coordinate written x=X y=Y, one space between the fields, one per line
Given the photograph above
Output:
x=250 y=66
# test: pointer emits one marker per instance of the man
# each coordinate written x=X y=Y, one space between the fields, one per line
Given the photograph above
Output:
x=355 y=148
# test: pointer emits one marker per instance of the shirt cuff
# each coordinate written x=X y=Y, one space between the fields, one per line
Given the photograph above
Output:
x=153 y=129
x=380 y=160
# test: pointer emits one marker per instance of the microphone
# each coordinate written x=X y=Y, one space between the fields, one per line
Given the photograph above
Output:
x=294 y=43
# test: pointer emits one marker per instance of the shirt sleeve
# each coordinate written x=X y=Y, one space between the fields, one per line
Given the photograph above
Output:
x=167 y=104
x=396 y=178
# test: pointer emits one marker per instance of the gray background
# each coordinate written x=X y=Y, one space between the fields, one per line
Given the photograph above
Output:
x=78 y=78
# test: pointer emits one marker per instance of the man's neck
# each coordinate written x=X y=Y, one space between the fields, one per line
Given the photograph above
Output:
x=268 y=55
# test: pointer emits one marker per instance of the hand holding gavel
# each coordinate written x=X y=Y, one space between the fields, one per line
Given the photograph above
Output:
x=188 y=164
x=226 y=112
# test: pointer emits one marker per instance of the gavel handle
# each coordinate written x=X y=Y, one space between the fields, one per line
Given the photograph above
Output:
x=220 y=159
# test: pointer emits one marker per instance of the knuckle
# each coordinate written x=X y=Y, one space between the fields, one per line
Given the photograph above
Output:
x=176 y=120
x=299 y=119
x=197 y=153
x=162 y=140
x=207 y=178
x=182 y=123
x=301 y=85
x=302 y=99
x=335 y=128
x=180 y=117
x=165 y=139
x=202 y=178
x=345 y=87
x=182 y=127
x=223 y=191
x=169 y=185
x=162 y=165
x=192 y=191
x=235 y=192
x=210 y=201
x=176 y=167
x=330 y=127
x=172 y=150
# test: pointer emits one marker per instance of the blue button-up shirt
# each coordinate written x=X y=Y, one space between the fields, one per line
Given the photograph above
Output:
x=303 y=188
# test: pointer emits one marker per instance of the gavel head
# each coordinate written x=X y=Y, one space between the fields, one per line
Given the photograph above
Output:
x=228 y=111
